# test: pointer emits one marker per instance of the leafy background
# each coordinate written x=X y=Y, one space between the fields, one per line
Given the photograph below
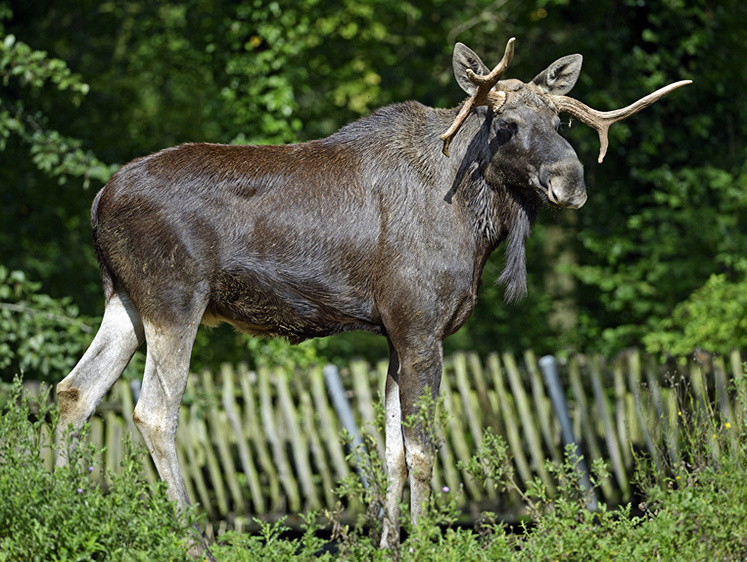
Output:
x=657 y=257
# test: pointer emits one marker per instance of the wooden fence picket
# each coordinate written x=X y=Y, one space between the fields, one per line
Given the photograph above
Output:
x=508 y=413
x=241 y=439
x=218 y=433
x=253 y=421
x=466 y=393
x=320 y=459
x=739 y=380
x=624 y=416
x=588 y=417
x=531 y=433
x=641 y=409
x=613 y=446
x=269 y=424
x=543 y=407
x=188 y=459
x=328 y=424
x=455 y=447
x=296 y=431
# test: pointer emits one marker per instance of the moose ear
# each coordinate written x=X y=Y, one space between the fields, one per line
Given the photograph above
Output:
x=560 y=76
x=465 y=58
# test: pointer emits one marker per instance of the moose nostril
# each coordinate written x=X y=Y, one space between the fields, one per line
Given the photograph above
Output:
x=551 y=195
x=563 y=183
x=559 y=194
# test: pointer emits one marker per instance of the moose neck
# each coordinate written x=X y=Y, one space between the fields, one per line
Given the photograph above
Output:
x=498 y=211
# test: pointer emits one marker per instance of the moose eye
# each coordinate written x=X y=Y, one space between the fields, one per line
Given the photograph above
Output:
x=507 y=126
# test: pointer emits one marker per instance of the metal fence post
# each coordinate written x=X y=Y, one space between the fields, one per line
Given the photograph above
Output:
x=344 y=410
x=549 y=370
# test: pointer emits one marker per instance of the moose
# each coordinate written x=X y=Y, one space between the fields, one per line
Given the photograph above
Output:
x=383 y=226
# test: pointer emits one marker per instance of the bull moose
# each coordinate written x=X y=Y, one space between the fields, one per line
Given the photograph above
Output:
x=383 y=226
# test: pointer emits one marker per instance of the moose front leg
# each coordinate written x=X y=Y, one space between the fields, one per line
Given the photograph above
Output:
x=396 y=465
x=409 y=440
x=419 y=439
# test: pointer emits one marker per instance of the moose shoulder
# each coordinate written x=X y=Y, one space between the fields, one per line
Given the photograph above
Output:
x=384 y=226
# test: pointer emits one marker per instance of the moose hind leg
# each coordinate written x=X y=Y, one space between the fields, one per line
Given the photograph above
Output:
x=157 y=409
x=78 y=394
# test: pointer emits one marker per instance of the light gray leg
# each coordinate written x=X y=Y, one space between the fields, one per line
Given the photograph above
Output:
x=395 y=457
x=157 y=409
x=78 y=394
x=420 y=459
x=413 y=371
x=420 y=373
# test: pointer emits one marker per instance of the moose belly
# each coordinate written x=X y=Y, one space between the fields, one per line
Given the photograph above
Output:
x=271 y=304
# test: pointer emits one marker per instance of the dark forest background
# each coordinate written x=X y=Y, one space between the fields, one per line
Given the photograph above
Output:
x=657 y=258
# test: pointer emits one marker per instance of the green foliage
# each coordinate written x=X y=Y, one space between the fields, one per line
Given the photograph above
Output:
x=64 y=515
x=39 y=335
x=367 y=487
x=712 y=318
x=35 y=68
x=38 y=155
x=224 y=344
x=270 y=544
x=693 y=509
x=673 y=193
x=53 y=153
x=692 y=228
x=268 y=352
x=491 y=465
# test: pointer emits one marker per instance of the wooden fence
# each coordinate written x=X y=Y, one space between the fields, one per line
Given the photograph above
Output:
x=267 y=443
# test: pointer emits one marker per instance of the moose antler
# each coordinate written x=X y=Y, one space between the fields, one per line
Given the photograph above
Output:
x=603 y=120
x=483 y=94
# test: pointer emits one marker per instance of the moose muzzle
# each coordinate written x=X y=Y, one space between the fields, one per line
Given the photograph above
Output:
x=563 y=183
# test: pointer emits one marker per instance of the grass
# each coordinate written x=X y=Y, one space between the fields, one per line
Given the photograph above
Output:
x=695 y=510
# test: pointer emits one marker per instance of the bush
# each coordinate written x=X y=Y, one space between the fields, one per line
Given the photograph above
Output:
x=694 y=509
x=65 y=515
x=712 y=318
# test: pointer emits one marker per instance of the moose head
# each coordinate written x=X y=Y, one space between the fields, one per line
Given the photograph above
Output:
x=525 y=111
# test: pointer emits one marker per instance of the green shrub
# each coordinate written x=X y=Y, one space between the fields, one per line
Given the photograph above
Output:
x=712 y=318
x=65 y=515
x=694 y=509
x=270 y=546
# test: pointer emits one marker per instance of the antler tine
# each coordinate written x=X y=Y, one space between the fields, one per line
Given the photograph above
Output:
x=486 y=82
x=482 y=95
x=603 y=120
